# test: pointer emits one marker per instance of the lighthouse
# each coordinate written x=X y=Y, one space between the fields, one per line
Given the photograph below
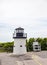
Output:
x=19 y=41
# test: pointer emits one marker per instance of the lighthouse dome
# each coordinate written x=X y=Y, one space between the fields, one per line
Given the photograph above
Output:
x=19 y=30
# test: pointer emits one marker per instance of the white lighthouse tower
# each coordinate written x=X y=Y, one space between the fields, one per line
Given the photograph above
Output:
x=19 y=41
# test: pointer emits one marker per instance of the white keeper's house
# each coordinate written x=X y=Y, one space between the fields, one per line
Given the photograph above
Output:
x=19 y=41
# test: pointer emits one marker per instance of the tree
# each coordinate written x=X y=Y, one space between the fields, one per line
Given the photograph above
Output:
x=42 y=43
x=29 y=44
x=39 y=40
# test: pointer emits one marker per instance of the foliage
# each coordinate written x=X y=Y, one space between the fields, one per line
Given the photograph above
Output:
x=42 y=42
x=29 y=44
x=8 y=46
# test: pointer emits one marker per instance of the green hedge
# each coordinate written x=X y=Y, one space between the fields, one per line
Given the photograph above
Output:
x=6 y=47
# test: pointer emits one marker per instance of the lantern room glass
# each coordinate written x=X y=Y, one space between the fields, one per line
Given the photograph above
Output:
x=19 y=31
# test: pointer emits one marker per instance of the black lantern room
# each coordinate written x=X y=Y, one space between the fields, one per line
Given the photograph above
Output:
x=19 y=33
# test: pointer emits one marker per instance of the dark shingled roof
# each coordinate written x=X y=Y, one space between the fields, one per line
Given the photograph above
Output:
x=19 y=28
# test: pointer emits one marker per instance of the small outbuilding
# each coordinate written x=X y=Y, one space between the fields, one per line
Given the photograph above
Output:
x=36 y=46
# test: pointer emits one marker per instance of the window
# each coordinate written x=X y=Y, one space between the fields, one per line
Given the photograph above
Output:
x=20 y=31
x=20 y=45
x=16 y=31
x=36 y=46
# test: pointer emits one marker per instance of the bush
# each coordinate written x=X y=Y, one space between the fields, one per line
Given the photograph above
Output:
x=6 y=47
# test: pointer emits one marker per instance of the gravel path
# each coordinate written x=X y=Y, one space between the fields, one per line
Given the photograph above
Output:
x=42 y=54
x=6 y=59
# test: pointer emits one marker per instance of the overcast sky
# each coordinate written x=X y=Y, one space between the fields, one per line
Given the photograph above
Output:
x=29 y=14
